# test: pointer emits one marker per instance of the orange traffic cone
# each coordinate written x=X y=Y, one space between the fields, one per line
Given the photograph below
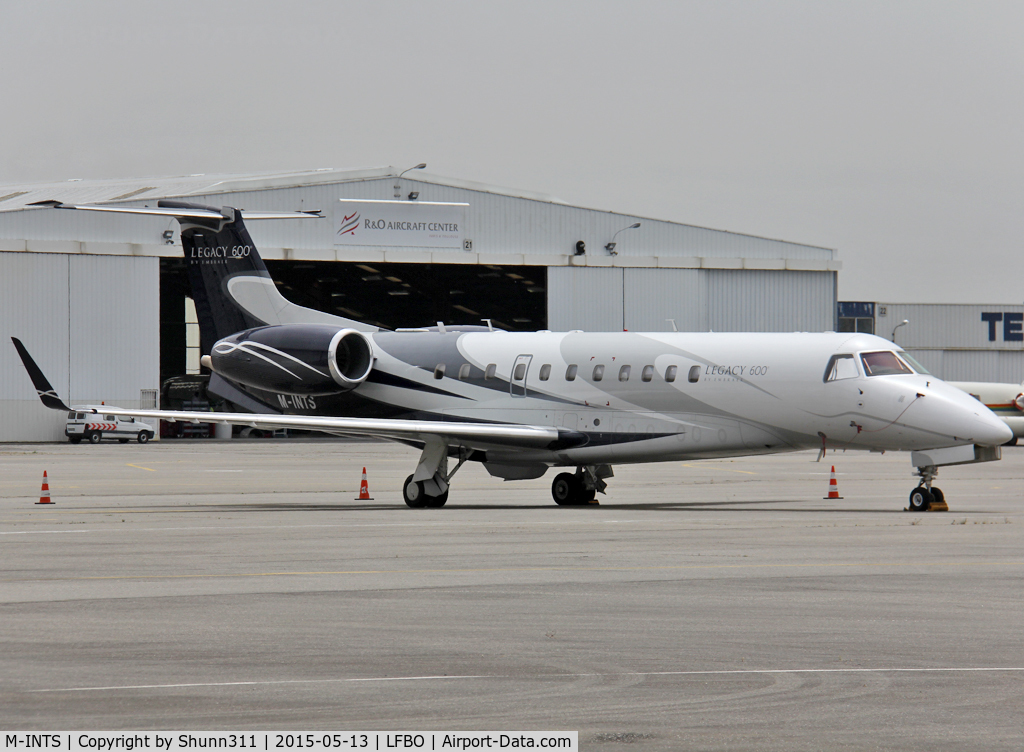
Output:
x=44 y=493
x=364 y=489
x=833 y=487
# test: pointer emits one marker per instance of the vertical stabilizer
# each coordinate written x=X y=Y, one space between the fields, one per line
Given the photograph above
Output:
x=230 y=284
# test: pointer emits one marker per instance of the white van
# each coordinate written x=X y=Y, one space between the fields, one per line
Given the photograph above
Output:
x=93 y=427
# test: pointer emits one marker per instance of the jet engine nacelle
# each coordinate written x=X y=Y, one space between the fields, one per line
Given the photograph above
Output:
x=305 y=359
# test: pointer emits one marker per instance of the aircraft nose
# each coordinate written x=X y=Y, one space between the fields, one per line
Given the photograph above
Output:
x=965 y=417
x=990 y=430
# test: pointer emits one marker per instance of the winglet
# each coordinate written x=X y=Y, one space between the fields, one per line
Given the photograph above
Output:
x=46 y=392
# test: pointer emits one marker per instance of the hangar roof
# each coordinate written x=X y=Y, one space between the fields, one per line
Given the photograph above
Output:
x=76 y=190
x=502 y=226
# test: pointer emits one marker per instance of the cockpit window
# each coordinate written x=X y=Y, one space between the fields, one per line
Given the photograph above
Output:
x=841 y=367
x=883 y=364
x=915 y=365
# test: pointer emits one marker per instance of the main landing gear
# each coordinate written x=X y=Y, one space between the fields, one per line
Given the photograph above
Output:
x=427 y=488
x=415 y=494
x=927 y=497
x=581 y=487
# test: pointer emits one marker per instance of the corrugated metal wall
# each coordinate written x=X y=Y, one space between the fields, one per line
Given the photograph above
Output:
x=653 y=296
x=584 y=298
x=699 y=300
x=92 y=324
x=973 y=365
x=944 y=327
x=770 y=301
x=34 y=307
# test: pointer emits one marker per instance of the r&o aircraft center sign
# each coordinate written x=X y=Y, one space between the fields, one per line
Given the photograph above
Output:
x=399 y=224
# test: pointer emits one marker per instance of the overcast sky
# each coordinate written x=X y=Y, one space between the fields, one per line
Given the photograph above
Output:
x=891 y=131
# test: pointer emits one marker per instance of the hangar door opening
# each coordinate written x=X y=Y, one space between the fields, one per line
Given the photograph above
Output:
x=388 y=295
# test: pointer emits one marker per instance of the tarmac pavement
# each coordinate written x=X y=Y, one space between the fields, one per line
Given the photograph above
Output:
x=719 y=604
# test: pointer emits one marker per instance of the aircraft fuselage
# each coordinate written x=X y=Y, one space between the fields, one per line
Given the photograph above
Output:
x=636 y=397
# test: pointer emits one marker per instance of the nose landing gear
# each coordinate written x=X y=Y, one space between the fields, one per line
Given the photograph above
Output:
x=927 y=497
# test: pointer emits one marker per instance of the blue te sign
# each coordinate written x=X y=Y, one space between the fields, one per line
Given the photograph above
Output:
x=1013 y=326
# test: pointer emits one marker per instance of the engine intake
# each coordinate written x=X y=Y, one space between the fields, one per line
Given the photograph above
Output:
x=350 y=358
x=303 y=359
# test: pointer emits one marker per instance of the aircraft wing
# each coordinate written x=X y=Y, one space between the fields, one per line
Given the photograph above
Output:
x=46 y=392
x=452 y=432
x=504 y=434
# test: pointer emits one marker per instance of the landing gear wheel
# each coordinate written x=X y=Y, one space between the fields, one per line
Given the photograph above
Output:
x=587 y=495
x=413 y=493
x=921 y=499
x=94 y=438
x=143 y=437
x=937 y=496
x=566 y=490
x=436 y=502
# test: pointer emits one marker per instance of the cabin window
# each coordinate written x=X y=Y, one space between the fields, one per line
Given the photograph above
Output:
x=464 y=372
x=694 y=375
x=670 y=373
x=520 y=372
x=109 y=418
x=570 y=372
x=439 y=371
x=545 y=372
x=624 y=373
x=491 y=369
x=81 y=416
x=598 y=373
x=883 y=364
x=71 y=416
x=647 y=374
x=841 y=367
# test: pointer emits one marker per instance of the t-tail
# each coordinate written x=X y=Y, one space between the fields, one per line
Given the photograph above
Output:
x=230 y=284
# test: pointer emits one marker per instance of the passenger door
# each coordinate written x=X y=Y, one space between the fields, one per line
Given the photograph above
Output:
x=517 y=384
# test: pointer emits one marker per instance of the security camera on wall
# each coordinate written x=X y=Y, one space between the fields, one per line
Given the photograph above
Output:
x=581 y=248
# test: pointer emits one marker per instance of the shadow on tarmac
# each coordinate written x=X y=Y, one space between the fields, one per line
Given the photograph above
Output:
x=745 y=507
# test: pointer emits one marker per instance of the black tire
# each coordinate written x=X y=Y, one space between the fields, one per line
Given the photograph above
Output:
x=938 y=496
x=436 y=502
x=1011 y=442
x=143 y=437
x=565 y=490
x=588 y=495
x=94 y=438
x=122 y=441
x=413 y=493
x=921 y=499
x=75 y=439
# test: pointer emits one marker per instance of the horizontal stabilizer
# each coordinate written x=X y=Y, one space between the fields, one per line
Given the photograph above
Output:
x=182 y=212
